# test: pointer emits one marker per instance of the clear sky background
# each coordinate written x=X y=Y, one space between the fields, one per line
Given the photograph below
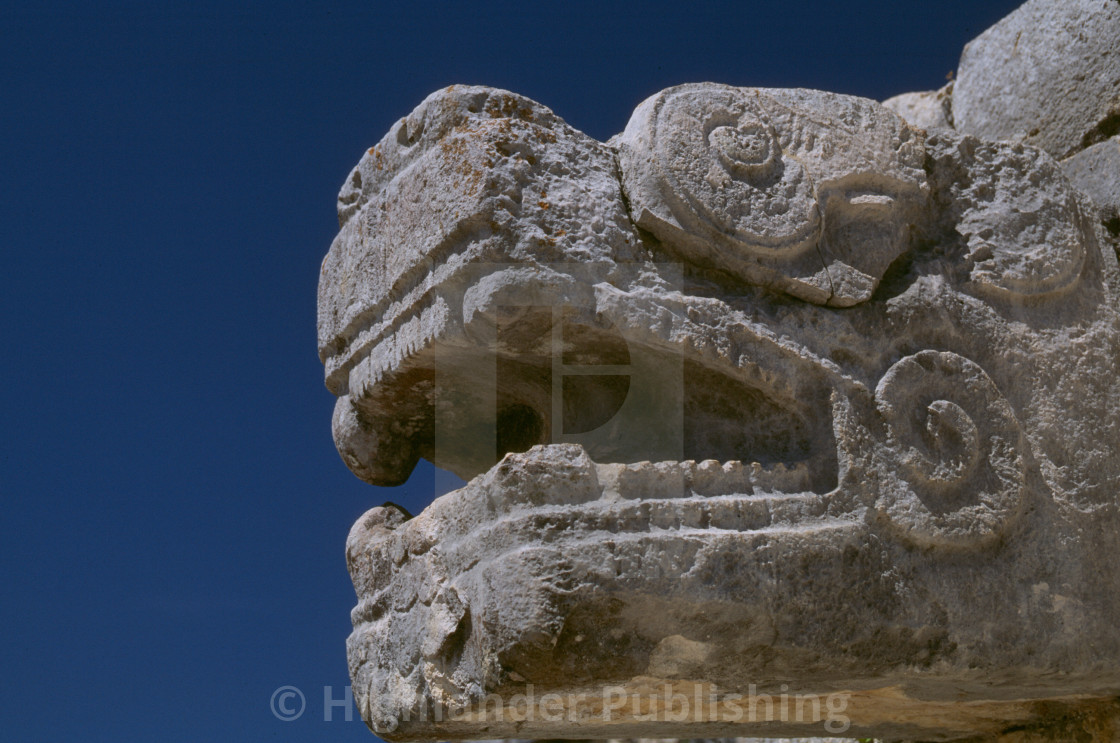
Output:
x=172 y=510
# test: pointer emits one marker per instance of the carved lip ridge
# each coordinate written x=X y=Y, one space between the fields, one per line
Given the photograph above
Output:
x=768 y=516
x=498 y=514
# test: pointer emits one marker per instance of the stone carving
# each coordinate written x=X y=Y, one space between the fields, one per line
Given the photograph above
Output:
x=1037 y=246
x=807 y=191
x=774 y=403
x=926 y=110
x=958 y=475
x=1047 y=73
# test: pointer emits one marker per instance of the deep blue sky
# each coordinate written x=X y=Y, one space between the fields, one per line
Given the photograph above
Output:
x=172 y=510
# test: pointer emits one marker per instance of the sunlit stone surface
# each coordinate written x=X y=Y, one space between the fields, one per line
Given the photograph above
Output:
x=780 y=415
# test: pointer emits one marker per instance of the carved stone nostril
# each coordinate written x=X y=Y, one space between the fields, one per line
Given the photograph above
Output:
x=748 y=151
x=954 y=438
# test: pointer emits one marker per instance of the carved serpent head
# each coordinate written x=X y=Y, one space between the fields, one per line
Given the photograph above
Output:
x=717 y=283
x=771 y=377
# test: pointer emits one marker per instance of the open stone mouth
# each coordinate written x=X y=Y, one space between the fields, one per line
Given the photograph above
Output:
x=841 y=417
x=660 y=419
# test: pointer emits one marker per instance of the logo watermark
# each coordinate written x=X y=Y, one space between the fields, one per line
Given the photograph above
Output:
x=553 y=355
x=668 y=702
x=287 y=703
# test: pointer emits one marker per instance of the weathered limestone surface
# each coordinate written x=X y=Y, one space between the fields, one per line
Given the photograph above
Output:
x=473 y=177
x=780 y=415
x=931 y=109
x=1048 y=73
x=803 y=191
x=1096 y=171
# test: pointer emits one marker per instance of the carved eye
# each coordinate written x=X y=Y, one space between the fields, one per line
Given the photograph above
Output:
x=749 y=151
x=739 y=179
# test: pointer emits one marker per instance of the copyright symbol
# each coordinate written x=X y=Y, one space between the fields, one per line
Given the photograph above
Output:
x=287 y=703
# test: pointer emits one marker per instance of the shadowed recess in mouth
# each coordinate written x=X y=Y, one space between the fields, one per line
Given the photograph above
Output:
x=623 y=403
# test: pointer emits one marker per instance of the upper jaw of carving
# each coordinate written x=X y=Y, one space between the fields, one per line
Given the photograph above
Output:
x=521 y=196
x=537 y=294
x=634 y=372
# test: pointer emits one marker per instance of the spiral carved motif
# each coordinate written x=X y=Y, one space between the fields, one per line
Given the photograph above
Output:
x=955 y=474
x=722 y=155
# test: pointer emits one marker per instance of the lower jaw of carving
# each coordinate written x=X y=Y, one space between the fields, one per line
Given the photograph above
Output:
x=554 y=491
x=519 y=522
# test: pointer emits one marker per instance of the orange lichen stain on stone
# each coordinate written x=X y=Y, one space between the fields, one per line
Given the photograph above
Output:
x=543 y=204
x=473 y=146
x=508 y=106
x=544 y=135
x=376 y=156
x=457 y=152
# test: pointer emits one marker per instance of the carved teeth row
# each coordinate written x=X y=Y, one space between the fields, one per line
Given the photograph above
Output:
x=656 y=480
x=377 y=556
